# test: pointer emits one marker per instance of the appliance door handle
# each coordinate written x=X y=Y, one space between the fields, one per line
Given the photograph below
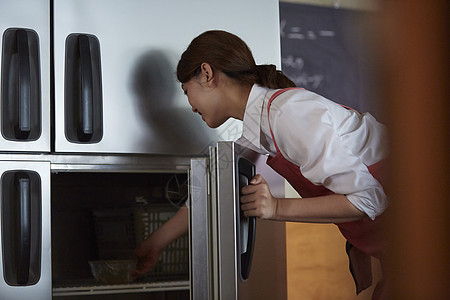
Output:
x=83 y=113
x=24 y=105
x=247 y=170
x=24 y=215
x=21 y=117
x=22 y=228
x=247 y=257
x=86 y=121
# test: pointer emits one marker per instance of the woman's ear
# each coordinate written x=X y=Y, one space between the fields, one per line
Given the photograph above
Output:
x=207 y=73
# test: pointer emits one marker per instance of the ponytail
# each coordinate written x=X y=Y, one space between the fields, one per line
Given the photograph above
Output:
x=269 y=76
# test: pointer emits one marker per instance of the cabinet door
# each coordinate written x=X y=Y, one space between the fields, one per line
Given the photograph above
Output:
x=25 y=75
x=25 y=260
x=200 y=216
x=115 y=62
x=251 y=258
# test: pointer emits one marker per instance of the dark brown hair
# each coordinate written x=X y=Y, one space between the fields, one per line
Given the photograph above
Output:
x=229 y=54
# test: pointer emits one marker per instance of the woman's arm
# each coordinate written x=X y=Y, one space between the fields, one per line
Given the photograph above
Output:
x=325 y=209
x=258 y=201
x=173 y=228
x=148 y=251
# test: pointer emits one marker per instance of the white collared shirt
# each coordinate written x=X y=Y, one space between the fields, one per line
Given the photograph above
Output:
x=332 y=145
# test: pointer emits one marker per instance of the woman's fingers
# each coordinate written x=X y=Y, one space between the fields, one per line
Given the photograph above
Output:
x=257 y=200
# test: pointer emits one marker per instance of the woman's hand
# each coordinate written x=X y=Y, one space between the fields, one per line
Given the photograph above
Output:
x=257 y=200
x=147 y=254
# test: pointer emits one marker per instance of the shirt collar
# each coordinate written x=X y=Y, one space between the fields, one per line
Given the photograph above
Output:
x=251 y=130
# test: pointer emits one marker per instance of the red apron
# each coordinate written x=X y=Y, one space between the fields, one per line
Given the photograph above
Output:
x=363 y=236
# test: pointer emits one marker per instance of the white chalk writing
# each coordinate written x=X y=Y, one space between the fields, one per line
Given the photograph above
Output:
x=298 y=33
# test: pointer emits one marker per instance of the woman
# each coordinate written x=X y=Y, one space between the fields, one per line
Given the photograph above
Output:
x=330 y=154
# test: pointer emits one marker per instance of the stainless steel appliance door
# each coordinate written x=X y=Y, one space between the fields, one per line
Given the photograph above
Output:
x=133 y=103
x=200 y=230
x=25 y=257
x=250 y=253
x=25 y=75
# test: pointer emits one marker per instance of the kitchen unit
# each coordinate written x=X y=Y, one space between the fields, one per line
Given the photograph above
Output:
x=98 y=142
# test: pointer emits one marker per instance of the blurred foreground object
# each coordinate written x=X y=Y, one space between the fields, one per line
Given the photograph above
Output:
x=415 y=72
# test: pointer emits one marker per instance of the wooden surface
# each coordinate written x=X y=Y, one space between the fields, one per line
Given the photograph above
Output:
x=317 y=264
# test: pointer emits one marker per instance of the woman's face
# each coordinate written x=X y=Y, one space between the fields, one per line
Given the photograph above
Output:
x=206 y=101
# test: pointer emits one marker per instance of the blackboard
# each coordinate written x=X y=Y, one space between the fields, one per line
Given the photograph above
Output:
x=328 y=51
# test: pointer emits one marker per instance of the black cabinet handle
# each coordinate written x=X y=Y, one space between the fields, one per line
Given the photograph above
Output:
x=24 y=200
x=24 y=125
x=247 y=257
x=20 y=85
x=86 y=103
x=83 y=89
x=247 y=170
x=21 y=226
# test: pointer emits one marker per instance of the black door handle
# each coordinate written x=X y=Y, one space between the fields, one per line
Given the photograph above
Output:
x=83 y=89
x=24 y=216
x=21 y=227
x=24 y=109
x=246 y=171
x=20 y=85
x=85 y=125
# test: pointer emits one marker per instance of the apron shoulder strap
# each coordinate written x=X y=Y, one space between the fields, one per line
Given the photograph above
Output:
x=276 y=94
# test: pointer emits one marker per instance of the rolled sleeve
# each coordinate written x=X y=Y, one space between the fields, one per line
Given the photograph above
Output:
x=372 y=201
